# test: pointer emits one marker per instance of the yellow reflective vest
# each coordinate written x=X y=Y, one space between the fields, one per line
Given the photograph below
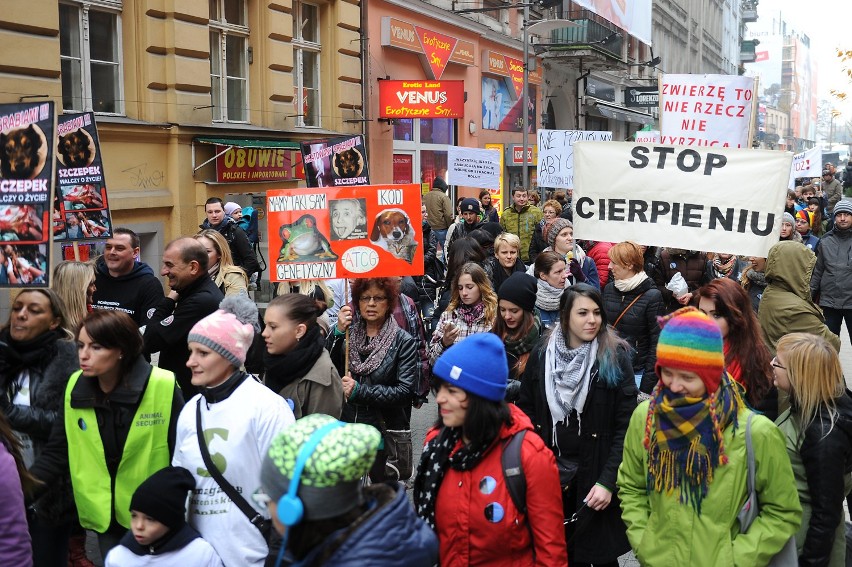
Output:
x=145 y=452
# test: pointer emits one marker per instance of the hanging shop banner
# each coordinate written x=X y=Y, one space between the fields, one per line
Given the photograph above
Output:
x=336 y=162
x=435 y=49
x=634 y=16
x=680 y=196
x=345 y=232
x=245 y=165
x=641 y=97
x=497 y=194
x=80 y=207
x=556 y=155
x=27 y=175
x=806 y=164
x=421 y=99
x=473 y=167
x=707 y=110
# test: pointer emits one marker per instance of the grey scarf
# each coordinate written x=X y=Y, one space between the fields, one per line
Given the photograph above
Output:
x=566 y=375
x=547 y=297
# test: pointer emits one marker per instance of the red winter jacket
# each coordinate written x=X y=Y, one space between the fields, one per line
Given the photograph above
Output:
x=600 y=254
x=466 y=499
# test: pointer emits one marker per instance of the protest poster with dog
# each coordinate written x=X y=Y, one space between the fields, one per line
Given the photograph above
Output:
x=26 y=186
x=336 y=162
x=344 y=232
x=80 y=207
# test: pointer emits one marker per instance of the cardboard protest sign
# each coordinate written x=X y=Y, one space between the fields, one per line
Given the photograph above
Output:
x=806 y=164
x=556 y=155
x=80 y=207
x=680 y=196
x=473 y=167
x=707 y=110
x=345 y=232
x=336 y=162
x=27 y=169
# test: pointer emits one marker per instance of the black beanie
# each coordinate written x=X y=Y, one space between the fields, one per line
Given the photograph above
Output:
x=519 y=288
x=163 y=496
x=470 y=205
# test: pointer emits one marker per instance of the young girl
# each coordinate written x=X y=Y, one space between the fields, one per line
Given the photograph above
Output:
x=460 y=488
x=818 y=431
x=517 y=325
x=472 y=309
x=550 y=273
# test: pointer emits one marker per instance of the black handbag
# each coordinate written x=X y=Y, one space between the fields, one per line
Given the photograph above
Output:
x=264 y=525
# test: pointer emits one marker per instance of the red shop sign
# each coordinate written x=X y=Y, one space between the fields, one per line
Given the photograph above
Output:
x=421 y=99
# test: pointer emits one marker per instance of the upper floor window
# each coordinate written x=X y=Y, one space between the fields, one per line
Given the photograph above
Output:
x=229 y=35
x=306 y=61
x=90 y=56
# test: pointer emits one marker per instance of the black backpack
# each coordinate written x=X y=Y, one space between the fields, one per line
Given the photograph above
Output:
x=513 y=470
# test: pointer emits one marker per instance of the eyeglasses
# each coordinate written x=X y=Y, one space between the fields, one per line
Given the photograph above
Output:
x=373 y=299
x=775 y=364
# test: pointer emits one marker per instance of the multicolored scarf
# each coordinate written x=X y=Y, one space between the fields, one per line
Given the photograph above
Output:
x=687 y=444
x=366 y=355
x=470 y=314
x=722 y=269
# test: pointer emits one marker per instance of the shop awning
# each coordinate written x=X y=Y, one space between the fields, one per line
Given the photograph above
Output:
x=622 y=113
x=240 y=143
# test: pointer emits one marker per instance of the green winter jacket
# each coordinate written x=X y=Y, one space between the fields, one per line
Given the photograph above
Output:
x=523 y=225
x=664 y=532
x=786 y=305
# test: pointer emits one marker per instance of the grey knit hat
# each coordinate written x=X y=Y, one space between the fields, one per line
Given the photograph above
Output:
x=843 y=206
x=554 y=227
x=788 y=218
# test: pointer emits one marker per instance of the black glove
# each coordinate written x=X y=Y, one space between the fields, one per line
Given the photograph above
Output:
x=576 y=271
x=513 y=390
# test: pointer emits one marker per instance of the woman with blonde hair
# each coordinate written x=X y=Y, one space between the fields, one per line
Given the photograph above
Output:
x=74 y=282
x=472 y=309
x=506 y=259
x=818 y=431
x=230 y=278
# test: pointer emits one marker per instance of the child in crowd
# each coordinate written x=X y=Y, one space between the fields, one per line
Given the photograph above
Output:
x=159 y=534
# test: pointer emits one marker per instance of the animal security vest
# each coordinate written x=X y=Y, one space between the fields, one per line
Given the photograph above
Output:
x=145 y=452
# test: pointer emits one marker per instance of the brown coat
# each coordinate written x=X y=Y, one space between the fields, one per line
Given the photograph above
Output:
x=318 y=391
x=439 y=210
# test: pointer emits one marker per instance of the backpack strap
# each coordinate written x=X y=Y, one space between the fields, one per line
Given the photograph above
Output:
x=513 y=470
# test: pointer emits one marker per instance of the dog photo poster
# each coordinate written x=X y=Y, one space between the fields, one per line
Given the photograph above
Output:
x=345 y=232
x=80 y=207
x=26 y=187
x=336 y=162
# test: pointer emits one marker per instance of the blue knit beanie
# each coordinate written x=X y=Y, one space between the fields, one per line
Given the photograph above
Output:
x=477 y=365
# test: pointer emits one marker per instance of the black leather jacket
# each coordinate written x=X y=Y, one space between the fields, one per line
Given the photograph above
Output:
x=386 y=393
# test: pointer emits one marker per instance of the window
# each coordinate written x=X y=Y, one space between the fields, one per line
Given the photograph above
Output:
x=229 y=36
x=426 y=139
x=90 y=56
x=306 y=59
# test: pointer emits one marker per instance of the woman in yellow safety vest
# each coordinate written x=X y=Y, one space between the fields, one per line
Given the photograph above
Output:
x=117 y=425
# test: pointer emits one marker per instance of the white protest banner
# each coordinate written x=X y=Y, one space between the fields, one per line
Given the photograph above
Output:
x=473 y=167
x=680 y=196
x=806 y=164
x=556 y=155
x=706 y=110
x=647 y=137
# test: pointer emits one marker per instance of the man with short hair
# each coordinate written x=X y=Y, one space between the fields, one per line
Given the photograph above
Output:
x=123 y=282
x=439 y=209
x=832 y=273
x=193 y=296
x=241 y=251
x=521 y=219
x=832 y=189
x=469 y=221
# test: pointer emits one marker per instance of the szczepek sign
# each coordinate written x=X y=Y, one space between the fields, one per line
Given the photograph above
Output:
x=421 y=99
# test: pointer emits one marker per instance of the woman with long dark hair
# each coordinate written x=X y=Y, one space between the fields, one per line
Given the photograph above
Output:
x=579 y=391
x=36 y=358
x=818 y=431
x=747 y=358
x=297 y=365
x=383 y=369
x=461 y=490
x=518 y=326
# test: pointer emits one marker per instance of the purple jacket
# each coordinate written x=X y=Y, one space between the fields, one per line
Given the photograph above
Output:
x=15 y=544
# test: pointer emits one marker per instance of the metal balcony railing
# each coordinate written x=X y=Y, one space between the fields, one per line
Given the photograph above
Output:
x=588 y=32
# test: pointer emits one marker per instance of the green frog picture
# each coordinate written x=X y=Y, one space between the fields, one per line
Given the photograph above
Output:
x=303 y=242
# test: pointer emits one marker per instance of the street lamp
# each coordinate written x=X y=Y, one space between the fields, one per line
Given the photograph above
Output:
x=539 y=27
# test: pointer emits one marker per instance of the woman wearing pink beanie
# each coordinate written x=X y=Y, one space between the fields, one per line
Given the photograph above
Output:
x=236 y=418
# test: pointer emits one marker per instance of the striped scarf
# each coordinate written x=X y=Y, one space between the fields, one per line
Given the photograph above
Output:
x=687 y=444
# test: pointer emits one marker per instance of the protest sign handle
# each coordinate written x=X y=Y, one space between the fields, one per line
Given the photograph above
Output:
x=76 y=251
x=346 y=337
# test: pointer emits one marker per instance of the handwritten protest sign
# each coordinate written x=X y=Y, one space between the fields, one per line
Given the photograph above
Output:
x=706 y=110
x=680 y=196
x=556 y=155
x=473 y=167
x=806 y=164
x=27 y=169
x=80 y=207
x=336 y=162
x=345 y=232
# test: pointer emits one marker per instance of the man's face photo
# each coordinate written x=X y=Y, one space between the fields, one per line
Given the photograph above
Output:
x=348 y=219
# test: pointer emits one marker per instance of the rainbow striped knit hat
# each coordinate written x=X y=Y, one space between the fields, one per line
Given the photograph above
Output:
x=690 y=340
